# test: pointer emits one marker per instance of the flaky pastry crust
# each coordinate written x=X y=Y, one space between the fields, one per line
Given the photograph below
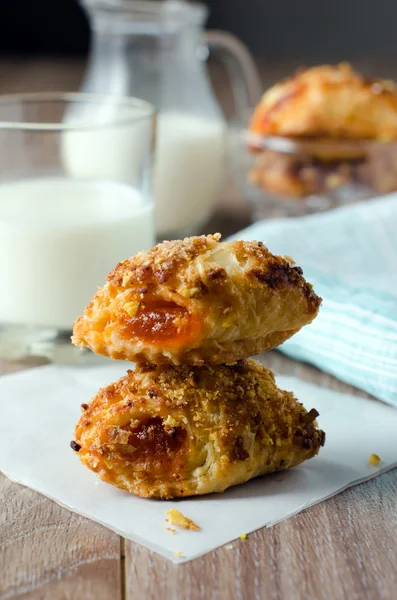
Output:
x=197 y=301
x=170 y=432
x=329 y=101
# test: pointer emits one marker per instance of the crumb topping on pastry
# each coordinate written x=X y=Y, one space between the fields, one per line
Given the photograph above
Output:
x=197 y=301
x=165 y=431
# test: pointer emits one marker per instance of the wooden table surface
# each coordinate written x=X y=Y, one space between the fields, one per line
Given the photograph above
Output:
x=344 y=548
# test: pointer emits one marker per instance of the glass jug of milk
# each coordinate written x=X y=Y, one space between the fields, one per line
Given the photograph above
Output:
x=157 y=51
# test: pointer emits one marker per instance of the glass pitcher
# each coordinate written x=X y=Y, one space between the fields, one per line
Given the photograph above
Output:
x=157 y=51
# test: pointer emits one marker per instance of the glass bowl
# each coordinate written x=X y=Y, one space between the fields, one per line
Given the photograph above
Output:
x=282 y=177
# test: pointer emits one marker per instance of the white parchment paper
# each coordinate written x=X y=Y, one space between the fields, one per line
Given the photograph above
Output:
x=38 y=410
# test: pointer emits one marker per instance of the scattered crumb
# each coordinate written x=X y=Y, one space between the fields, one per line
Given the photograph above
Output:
x=175 y=517
x=374 y=460
x=178 y=554
x=281 y=478
x=243 y=536
x=171 y=529
x=229 y=547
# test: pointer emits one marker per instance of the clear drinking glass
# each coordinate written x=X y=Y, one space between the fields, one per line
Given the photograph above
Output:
x=75 y=198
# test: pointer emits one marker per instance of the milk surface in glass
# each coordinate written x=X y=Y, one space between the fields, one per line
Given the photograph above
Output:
x=59 y=238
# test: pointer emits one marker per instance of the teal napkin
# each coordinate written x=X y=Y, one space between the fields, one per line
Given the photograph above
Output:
x=350 y=256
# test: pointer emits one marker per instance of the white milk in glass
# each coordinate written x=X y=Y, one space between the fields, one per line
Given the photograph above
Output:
x=189 y=170
x=58 y=240
x=189 y=165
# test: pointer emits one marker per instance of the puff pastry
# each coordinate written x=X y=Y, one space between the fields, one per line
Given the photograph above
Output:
x=167 y=432
x=330 y=102
x=197 y=301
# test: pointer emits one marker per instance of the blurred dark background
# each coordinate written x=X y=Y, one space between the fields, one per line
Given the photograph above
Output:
x=305 y=29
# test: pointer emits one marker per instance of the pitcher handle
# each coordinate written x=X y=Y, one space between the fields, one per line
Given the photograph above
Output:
x=242 y=70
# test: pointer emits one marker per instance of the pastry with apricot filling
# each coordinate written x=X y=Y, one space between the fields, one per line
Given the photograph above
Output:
x=329 y=101
x=168 y=432
x=197 y=301
x=325 y=131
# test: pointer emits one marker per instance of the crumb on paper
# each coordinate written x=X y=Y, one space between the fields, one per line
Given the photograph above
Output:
x=374 y=460
x=243 y=536
x=178 y=554
x=229 y=547
x=175 y=517
x=171 y=529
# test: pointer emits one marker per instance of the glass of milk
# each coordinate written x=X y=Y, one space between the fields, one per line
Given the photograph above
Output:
x=67 y=217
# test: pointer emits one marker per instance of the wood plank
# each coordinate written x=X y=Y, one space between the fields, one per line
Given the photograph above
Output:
x=40 y=74
x=49 y=553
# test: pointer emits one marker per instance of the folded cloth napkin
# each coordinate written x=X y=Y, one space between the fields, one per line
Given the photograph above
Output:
x=350 y=256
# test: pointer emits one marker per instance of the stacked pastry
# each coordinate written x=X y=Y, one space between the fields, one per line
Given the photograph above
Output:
x=195 y=415
x=324 y=128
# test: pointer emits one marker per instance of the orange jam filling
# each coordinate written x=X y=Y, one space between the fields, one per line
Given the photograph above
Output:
x=163 y=323
x=163 y=450
x=151 y=440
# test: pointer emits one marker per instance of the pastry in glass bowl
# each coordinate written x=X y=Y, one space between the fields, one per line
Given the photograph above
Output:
x=323 y=137
x=168 y=432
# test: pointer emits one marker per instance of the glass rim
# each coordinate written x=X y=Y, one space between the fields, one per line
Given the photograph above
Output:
x=151 y=8
x=289 y=144
x=75 y=98
x=293 y=144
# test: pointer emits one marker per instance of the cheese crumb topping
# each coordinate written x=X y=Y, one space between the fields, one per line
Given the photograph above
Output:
x=175 y=517
x=374 y=460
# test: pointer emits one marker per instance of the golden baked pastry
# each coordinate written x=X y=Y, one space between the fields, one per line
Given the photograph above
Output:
x=197 y=301
x=329 y=102
x=167 y=431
